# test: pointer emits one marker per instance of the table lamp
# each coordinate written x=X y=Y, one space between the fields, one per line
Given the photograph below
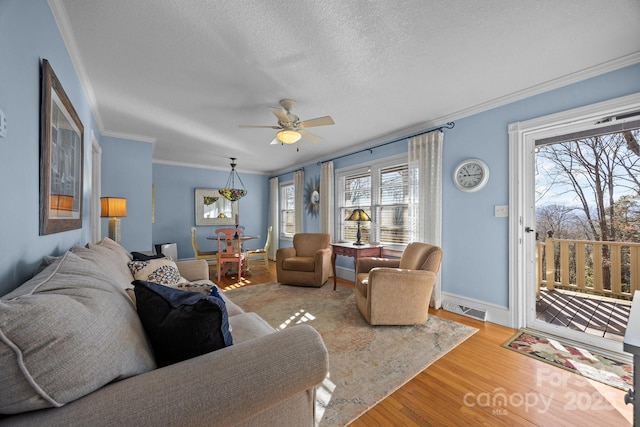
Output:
x=358 y=215
x=113 y=208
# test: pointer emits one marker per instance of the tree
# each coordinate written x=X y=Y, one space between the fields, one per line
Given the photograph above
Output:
x=598 y=170
x=601 y=172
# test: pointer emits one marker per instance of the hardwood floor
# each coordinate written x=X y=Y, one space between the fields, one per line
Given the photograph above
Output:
x=481 y=383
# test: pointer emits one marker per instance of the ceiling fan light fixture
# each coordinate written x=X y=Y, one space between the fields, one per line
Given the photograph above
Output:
x=288 y=136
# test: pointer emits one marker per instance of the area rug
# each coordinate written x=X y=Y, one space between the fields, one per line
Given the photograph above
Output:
x=366 y=364
x=578 y=360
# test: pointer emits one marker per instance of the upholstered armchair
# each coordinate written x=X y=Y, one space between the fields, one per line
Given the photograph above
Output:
x=307 y=262
x=398 y=291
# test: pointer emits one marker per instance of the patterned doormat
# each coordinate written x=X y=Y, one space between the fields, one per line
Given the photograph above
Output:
x=583 y=362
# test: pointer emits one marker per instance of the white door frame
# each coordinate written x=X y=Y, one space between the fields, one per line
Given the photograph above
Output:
x=522 y=137
x=96 y=177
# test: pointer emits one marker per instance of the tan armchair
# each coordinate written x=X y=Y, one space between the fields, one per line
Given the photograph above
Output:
x=307 y=262
x=398 y=291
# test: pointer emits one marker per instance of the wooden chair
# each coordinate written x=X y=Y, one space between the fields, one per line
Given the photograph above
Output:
x=260 y=254
x=197 y=253
x=230 y=249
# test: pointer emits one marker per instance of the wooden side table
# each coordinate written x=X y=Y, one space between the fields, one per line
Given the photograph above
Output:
x=355 y=251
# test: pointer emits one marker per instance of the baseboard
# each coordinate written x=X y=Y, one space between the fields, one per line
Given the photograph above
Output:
x=346 y=273
x=494 y=313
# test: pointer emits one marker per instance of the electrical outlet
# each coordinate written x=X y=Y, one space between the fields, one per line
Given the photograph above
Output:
x=3 y=124
x=501 y=211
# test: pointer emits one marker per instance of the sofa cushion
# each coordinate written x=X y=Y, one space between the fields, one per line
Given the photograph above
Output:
x=247 y=326
x=179 y=324
x=162 y=271
x=106 y=261
x=66 y=332
x=299 y=263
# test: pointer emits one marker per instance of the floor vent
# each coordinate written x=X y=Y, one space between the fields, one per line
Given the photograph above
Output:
x=466 y=311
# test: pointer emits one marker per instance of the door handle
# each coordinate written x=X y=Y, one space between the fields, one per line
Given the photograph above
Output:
x=529 y=230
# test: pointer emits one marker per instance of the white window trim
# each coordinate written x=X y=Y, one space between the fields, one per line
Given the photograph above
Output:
x=283 y=234
x=373 y=168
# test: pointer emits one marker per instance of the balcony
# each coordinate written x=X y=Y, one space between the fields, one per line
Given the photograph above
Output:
x=587 y=285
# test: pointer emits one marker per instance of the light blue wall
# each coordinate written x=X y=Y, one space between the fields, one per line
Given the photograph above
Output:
x=475 y=243
x=475 y=263
x=127 y=172
x=174 y=188
x=28 y=33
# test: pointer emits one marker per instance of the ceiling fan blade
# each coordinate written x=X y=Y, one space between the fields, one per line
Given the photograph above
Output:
x=310 y=136
x=318 y=121
x=280 y=113
x=260 y=126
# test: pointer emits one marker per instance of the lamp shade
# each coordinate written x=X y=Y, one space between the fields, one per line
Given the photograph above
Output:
x=358 y=215
x=288 y=136
x=111 y=207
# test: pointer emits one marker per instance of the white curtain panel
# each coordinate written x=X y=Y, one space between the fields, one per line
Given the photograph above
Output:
x=425 y=194
x=274 y=210
x=298 y=183
x=327 y=202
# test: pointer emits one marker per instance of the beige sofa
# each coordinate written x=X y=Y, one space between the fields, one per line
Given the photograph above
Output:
x=73 y=352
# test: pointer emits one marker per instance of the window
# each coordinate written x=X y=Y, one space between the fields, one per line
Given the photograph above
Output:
x=382 y=190
x=287 y=209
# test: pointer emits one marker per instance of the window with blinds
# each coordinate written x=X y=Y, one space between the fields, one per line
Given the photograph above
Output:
x=392 y=209
x=287 y=210
x=382 y=190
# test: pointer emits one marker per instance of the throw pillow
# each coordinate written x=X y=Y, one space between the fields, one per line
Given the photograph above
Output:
x=181 y=325
x=139 y=256
x=163 y=271
x=66 y=333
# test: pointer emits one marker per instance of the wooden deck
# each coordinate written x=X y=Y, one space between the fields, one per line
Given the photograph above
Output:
x=596 y=315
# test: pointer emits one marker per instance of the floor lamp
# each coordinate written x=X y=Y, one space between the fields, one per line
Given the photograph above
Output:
x=113 y=208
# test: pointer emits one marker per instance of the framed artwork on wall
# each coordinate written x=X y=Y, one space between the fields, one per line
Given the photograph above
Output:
x=213 y=209
x=61 y=158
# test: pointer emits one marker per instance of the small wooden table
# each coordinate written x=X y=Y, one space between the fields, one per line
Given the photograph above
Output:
x=355 y=251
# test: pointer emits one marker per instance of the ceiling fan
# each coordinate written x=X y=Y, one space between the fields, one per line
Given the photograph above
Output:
x=290 y=128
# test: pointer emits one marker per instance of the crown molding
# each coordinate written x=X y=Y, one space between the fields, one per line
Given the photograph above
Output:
x=62 y=21
x=200 y=166
x=541 y=88
x=130 y=136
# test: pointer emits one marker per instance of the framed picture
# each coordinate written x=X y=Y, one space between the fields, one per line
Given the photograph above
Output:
x=61 y=158
x=213 y=209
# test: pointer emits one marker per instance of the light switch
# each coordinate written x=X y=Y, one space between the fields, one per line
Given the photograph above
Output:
x=501 y=211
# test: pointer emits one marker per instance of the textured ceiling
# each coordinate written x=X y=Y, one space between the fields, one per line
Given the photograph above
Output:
x=185 y=73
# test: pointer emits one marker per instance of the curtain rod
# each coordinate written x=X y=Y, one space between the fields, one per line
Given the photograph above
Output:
x=449 y=125
x=278 y=176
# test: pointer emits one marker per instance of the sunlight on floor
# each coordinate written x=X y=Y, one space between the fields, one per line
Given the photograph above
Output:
x=242 y=283
x=324 y=392
x=301 y=316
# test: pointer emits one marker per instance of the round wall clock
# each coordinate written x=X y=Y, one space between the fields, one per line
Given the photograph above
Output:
x=471 y=175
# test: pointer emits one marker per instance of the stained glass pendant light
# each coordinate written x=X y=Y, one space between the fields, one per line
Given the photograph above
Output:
x=230 y=192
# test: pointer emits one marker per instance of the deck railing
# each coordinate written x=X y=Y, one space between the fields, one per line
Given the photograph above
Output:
x=603 y=268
